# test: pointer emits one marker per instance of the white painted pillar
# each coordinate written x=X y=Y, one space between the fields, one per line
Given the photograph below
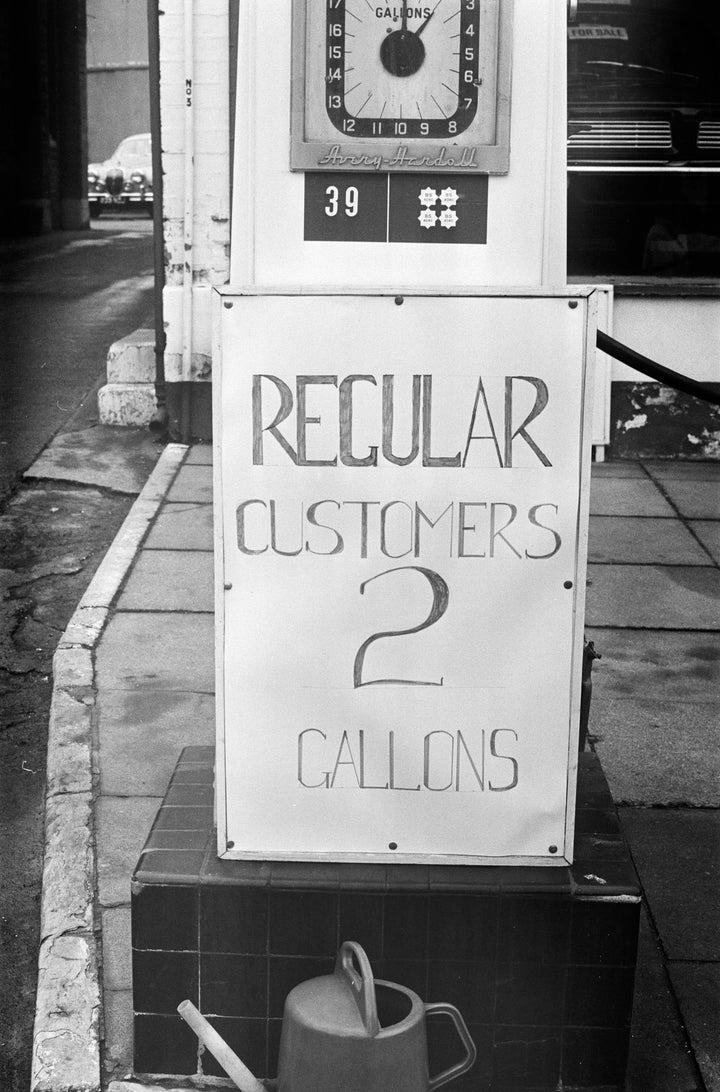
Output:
x=195 y=138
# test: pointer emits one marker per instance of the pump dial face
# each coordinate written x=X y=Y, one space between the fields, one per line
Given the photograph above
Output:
x=403 y=70
x=401 y=85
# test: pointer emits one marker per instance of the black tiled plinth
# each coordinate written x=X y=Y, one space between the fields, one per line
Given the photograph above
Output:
x=540 y=961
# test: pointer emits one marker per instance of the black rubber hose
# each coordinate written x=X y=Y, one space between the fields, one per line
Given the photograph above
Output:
x=643 y=364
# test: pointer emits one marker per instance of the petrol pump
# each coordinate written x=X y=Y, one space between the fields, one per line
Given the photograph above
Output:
x=401 y=381
x=402 y=461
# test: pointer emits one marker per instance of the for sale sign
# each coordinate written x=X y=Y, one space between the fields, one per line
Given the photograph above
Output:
x=401 y=487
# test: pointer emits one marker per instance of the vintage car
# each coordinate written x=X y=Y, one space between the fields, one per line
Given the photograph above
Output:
x=643 y=85
x=125 y=179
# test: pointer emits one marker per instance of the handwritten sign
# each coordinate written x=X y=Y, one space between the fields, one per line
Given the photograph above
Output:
x=401 y=488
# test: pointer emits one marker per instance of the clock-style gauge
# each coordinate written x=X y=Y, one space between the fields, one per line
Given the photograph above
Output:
x=402 y=86
x=412 y=72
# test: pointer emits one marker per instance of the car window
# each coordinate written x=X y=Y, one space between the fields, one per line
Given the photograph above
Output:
x=134 y=148
x=645 y=51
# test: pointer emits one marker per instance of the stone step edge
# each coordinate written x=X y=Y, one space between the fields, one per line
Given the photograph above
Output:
x=132 y=405
x=131 y=359
x=66 y=1034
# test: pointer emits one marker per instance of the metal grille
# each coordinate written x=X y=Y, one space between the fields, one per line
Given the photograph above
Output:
x=619 y=134
x=114 y=181
x=709 y=135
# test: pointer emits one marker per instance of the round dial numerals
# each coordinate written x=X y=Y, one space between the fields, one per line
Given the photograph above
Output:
x=402 y=71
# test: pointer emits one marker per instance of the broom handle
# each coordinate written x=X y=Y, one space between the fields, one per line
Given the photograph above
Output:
x=217 y=1046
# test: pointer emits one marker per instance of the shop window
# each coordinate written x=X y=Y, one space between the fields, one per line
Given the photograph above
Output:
x=644 y=139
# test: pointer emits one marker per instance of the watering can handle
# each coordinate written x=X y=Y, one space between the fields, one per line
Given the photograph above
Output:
x=442 y=1008
x=351 y=960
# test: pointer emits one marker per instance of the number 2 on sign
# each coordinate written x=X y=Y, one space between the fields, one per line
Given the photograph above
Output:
x=441 y=595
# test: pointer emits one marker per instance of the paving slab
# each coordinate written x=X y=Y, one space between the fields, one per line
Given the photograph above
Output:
x=119 y=459
x=123 y=824
x=619 y=468
x=694 y=499
x=169 y=580
x=643 y=541
x=118 y=1019
x=664 y=665
x=655 y=751
x=193 y=483
x=658 y=1060
x=697 y=986
x=141 y=734
x=182 y=526
x=664 y=469
x=613 y=496
x=200 y=455
x=162 y=651
x=116 y=946
x=677 y=855
x=708 y=531
x=653 y=596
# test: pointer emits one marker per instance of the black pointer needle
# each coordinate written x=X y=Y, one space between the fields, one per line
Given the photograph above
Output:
x=425 y=21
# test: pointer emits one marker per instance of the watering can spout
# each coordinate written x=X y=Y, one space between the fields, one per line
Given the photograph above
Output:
x=228 y=1059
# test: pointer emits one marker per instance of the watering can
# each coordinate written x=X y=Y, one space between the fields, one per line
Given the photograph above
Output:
x=347 y=1032
x=352 y=1032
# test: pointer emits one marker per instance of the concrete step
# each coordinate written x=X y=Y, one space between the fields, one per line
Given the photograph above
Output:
x=126 y=404
x=131 y=359
x=128 y=397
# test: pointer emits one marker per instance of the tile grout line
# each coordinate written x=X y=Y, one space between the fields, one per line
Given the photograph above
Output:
x=684 y=520
x=66 y=1034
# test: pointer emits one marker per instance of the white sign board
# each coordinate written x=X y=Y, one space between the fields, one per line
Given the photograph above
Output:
x=401 y=490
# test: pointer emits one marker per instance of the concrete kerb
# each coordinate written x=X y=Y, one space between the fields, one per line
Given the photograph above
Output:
x=66 y=1037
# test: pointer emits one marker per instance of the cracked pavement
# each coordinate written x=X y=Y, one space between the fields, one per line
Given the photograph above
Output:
x=53 y=538
x=64 y=298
